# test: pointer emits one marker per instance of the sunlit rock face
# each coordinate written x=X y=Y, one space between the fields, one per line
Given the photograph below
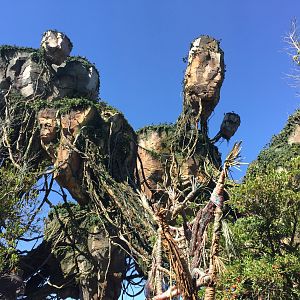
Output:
x=57 y=46
x=58 y=134
x=294 y=138
x=203 y=77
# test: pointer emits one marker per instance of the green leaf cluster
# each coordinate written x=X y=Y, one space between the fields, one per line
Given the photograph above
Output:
x=267 y=231
x=18 y=200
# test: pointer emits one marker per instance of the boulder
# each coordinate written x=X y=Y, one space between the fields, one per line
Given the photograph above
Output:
x=109 y=130
x=203 y=77
x=57 y=46
x=76 y=78
x=31 y=81
x=26 y=73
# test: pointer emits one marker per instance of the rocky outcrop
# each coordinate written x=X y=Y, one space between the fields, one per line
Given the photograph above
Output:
x=57 y=47
x=87 y=255
x=47 y=73
x=59 y=133
x=156 y=162
x=294 y=138
x=50 y=100
x=283 y=148
x=203 y=77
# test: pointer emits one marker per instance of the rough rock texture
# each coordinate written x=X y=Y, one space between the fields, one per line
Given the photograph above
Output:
x=24 y=71
x=229 y=126
x=50 y=105
x=294 y=138
x=91 y=252
x=51 y=100
x=76 y=78
x=67 y=162
x=59 y=134
x=57 y=46
x=155 y=159
x=203 y=77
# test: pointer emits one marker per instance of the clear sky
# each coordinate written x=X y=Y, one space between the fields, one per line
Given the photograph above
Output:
x=138 y=48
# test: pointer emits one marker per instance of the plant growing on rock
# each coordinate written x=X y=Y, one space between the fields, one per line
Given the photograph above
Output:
x=145 y=200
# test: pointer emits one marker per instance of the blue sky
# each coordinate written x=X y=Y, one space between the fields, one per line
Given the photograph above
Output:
x=138 y=48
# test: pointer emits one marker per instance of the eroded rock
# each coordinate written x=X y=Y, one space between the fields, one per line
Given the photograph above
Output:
x=229 y=126
x=294 y=138
x=203 y=77
x=155 y=160
x=59 y=133
x=27 y=73
x=76 y=78
x=97 y=263
x=57 y=46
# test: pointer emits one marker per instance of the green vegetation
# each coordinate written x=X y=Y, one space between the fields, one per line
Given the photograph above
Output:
x=83 y=60
x=267 y=235
x=64 y=105
x=6 y=50
x=18 y=201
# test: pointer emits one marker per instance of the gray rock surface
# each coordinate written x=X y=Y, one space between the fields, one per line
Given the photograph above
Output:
x=29 y=74
x=57 y=47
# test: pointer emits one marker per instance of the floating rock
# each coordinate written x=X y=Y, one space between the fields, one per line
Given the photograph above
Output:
x=26 y=74
x=115 y=138
x=57 y=46
x=229 y=126
x=203 y=77
x=67 y=162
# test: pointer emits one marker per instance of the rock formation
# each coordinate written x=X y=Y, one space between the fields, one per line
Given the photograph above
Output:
x=156 y=161
x=203 y=78
x=57 y=47
x=122 y=181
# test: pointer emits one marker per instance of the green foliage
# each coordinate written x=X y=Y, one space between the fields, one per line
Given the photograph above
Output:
x=64 y=105
x=279 y=151
x=267 y=236
x=38 y=56
x=8 y=50
x=83 y=60
x=18 y=200
x=269 y=278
